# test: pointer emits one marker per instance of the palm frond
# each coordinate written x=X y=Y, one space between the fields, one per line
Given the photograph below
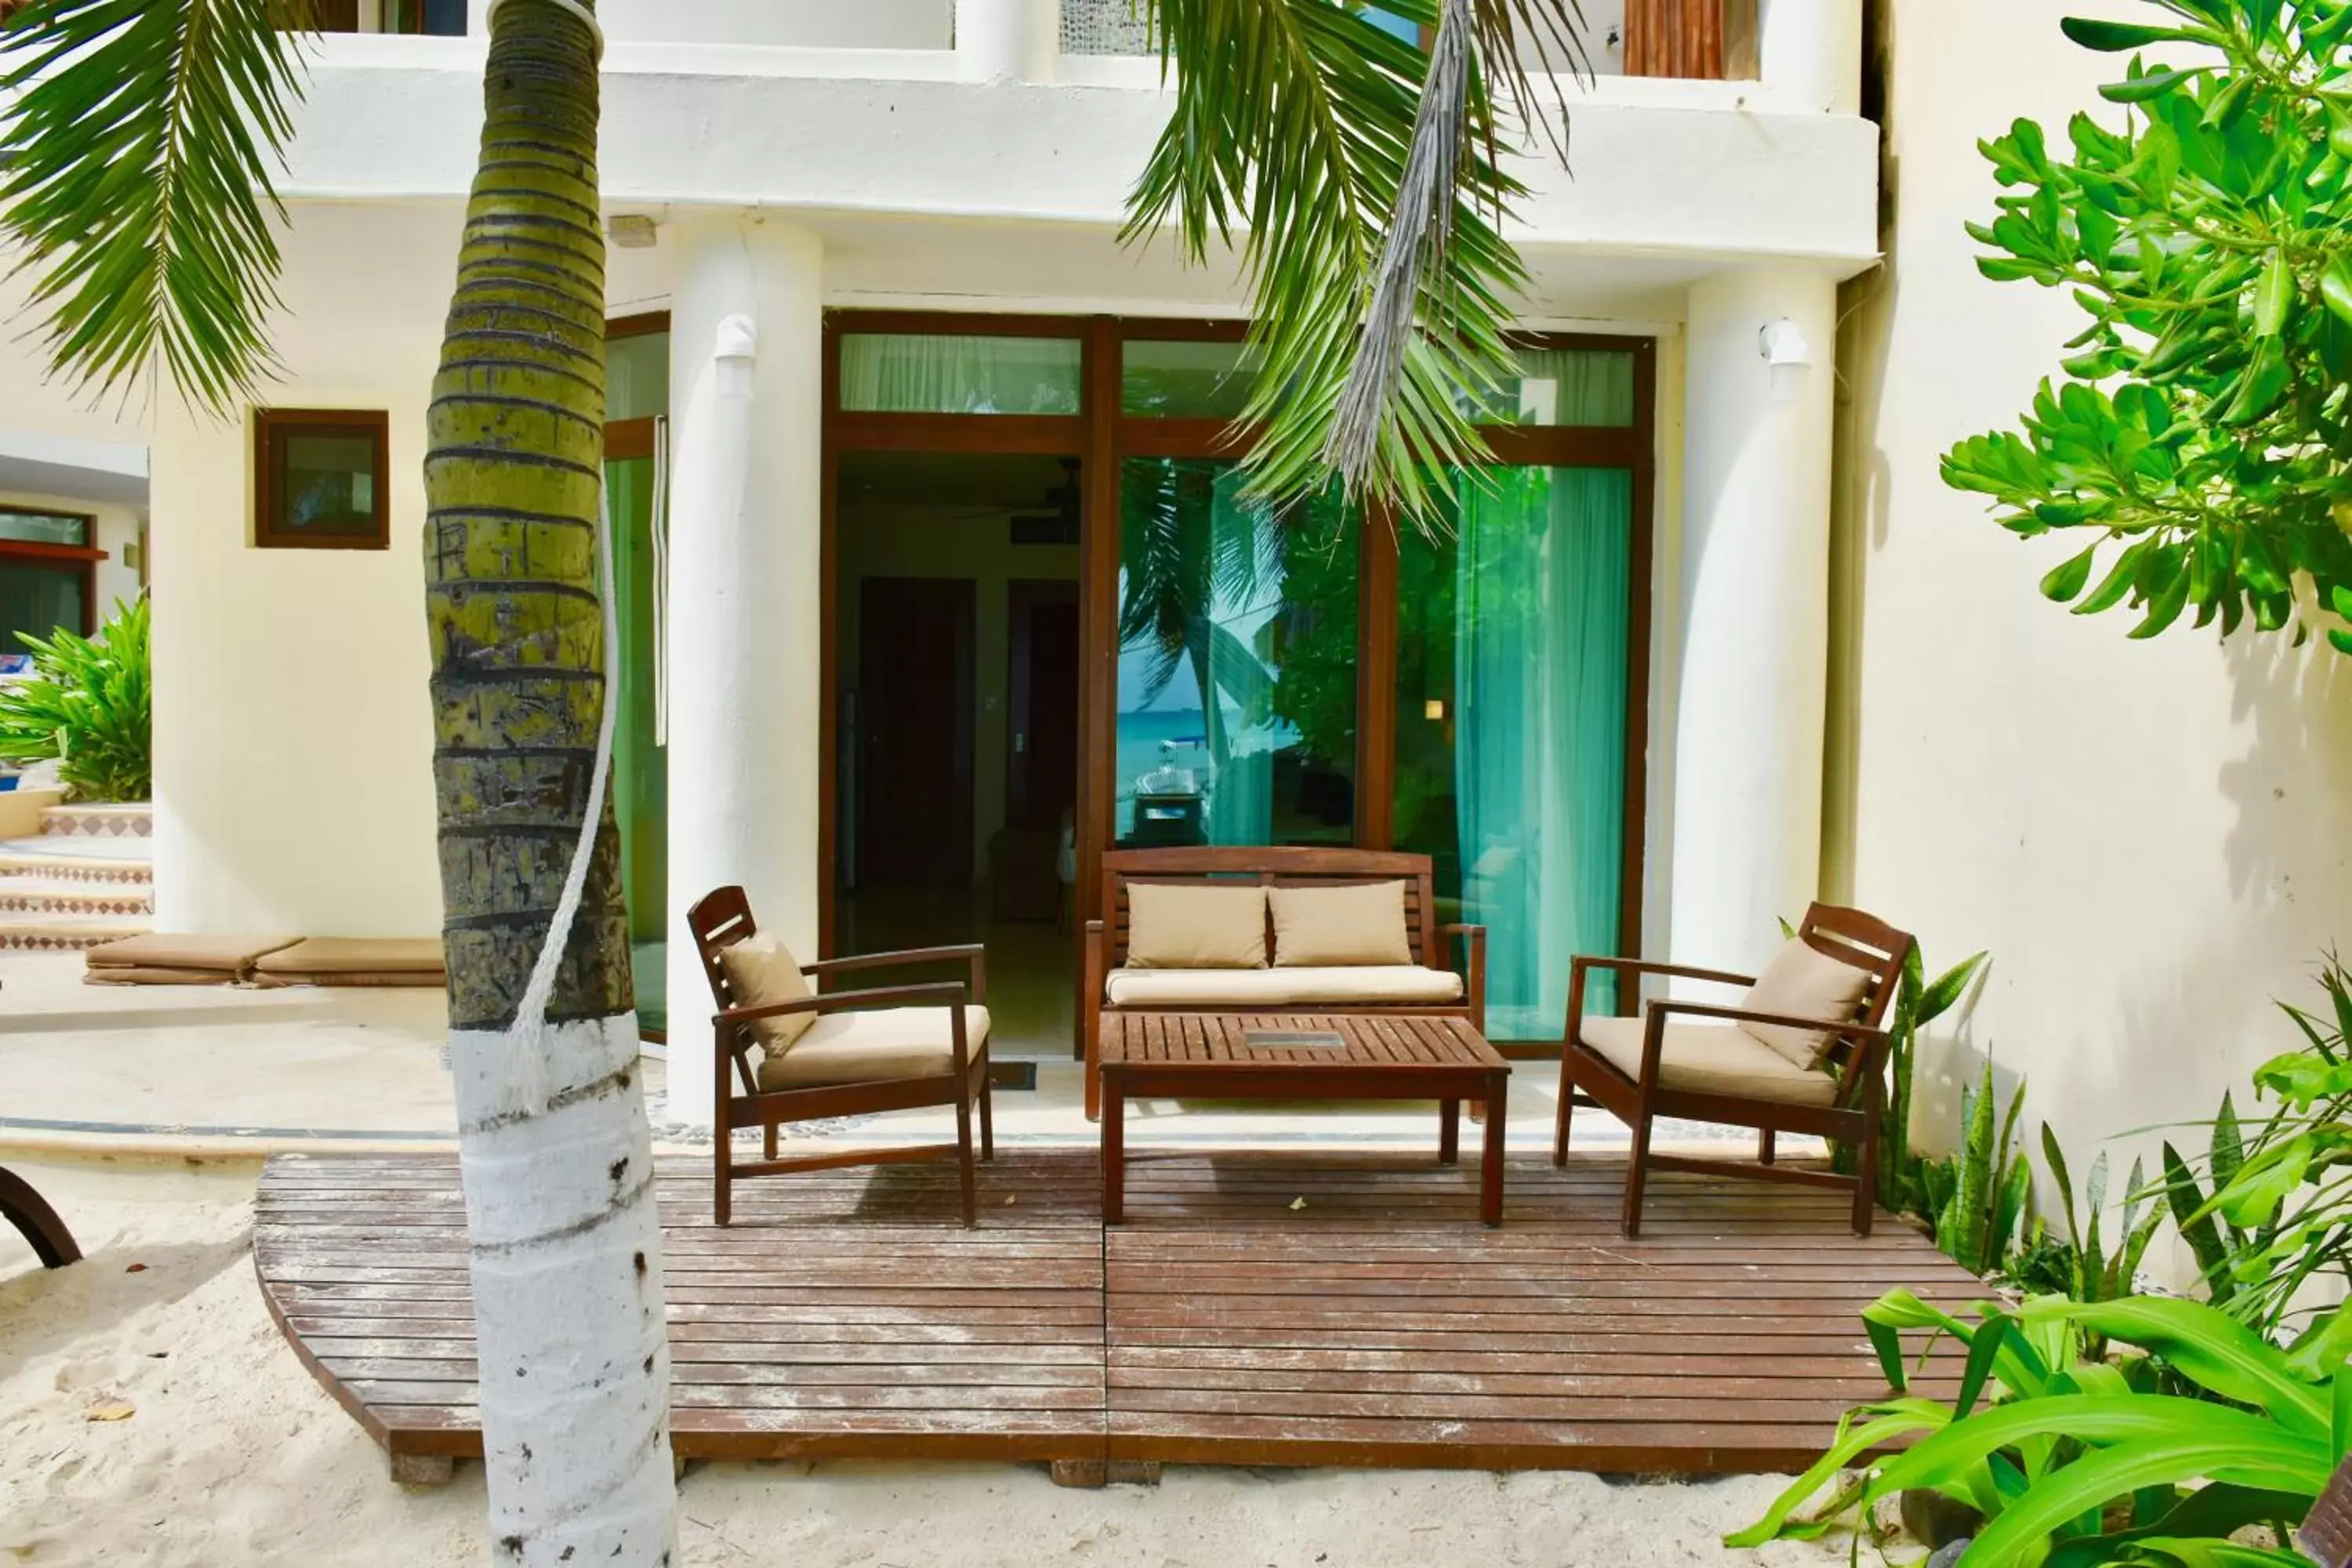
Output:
x=135 y=166
x=1367 y=173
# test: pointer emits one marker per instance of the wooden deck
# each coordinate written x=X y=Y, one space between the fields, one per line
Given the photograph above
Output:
x=1377 y=1324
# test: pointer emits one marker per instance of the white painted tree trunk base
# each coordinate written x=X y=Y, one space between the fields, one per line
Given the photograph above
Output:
x=565 y=1238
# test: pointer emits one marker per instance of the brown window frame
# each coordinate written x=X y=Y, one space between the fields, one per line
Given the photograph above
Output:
x=1102 y=433
x=375 y=423
x=87 y=555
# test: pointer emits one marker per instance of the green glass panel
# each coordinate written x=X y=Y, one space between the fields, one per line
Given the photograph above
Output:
x=38 y=600
x=1511 y=695
x=43 y=527
x=637 y=376
x=914 y=373
x=640 y=766
x=1174 y=379
x=1236 y=662
x=1564 y=386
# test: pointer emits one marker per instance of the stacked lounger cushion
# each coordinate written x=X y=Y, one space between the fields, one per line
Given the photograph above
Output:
x=158 y=959
x=355 y=961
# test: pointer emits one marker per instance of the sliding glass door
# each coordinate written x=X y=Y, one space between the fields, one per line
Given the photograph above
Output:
x=1512 y=656
x=1237 y=660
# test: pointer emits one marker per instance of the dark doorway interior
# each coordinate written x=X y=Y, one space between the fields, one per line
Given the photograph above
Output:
x=956 y=655
x=915 y=800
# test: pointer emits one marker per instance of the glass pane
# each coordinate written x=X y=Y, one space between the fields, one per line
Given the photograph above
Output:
x=328 y=482
x=640 y=766
x=910 y=373
x=43 y=527
x=637 y=376
x=1236 y=662
x=37 y=600
x=1511 y=672
x=1177 y=378
x=1565 y=387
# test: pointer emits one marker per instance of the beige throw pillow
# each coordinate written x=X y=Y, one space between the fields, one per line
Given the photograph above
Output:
x=760 y=969
x=1201 y=925
x=1331 y=926
x=1802 y=983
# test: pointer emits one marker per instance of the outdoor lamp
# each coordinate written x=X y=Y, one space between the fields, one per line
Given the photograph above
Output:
x=738 y=346
x=1788 y=353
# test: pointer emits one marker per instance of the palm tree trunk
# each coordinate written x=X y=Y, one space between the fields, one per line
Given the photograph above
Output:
x=553 y=1137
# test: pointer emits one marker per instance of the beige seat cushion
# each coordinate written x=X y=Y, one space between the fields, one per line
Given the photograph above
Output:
x=1318 y=928
x=166 y=950
x=355 y=961
x=762 y=971
x=1199 y=925
x=873 y=1045
x=1247 y=988
x=1800 y=982
x=1710 y=1058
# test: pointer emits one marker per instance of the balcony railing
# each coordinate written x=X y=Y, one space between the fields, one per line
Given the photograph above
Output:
x=1711 y=40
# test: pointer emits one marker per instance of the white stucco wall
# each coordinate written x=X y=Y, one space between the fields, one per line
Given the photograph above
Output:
x=292 y=730
x=2152 y=838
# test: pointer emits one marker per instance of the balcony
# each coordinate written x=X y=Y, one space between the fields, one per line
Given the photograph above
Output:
x=1692 y=39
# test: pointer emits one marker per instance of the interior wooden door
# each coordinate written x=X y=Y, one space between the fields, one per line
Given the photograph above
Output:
x=915 y=706
x=1042 y=756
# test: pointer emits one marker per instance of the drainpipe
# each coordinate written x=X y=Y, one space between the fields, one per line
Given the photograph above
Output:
x=1007 y=40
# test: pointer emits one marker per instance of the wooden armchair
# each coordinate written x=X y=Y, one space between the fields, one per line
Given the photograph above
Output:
x=1697 y=1062
x=888 y=1049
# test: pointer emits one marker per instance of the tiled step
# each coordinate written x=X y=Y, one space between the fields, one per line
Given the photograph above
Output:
x=35 y=895
x=67 y=933
x=134 y=820
x=66 y=858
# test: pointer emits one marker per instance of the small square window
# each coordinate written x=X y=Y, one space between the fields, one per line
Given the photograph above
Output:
x=319 y=479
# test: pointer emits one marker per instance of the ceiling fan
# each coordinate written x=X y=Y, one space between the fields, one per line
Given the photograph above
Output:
x=1053 y=519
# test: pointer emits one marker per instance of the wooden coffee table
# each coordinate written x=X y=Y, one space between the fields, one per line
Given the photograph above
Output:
x=1302 y=1056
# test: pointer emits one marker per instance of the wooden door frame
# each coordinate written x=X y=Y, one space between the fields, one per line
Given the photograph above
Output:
x=1101 y=435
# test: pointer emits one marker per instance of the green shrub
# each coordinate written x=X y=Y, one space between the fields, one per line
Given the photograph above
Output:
x=2077 y=1462
x=88 y=706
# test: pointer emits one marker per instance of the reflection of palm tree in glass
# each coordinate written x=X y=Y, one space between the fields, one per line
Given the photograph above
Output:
x=1195 y=560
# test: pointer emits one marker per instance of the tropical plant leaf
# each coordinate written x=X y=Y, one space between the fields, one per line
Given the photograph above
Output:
x=2211 y=1447
x=2208 y=1346
x=135 y=176
x=89 y=705
x=1367 y=174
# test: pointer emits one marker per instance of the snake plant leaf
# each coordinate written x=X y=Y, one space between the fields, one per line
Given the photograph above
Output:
x=1941 y=996
x=2053 y=1157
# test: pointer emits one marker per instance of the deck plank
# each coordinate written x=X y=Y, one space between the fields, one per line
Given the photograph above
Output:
x=1261 y=1308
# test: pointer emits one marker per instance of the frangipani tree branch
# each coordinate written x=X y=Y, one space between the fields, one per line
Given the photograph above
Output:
x=1366 y=171
x=136 y=154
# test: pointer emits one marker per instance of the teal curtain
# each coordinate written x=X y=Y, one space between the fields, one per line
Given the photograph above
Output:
x=1542 y=563
x=910 y=373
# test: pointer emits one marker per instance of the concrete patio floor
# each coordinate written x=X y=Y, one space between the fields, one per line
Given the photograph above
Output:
x=238 y=1073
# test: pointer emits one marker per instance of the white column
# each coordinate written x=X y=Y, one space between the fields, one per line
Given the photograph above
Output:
x=744 y=646
x=1751 y=698
x=998 y=40
x=1808 y=53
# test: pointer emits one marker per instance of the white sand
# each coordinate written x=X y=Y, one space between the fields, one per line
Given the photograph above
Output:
x=234 y=1457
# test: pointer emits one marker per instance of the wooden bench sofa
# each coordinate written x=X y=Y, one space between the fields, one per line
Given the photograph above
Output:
x=1429 y=985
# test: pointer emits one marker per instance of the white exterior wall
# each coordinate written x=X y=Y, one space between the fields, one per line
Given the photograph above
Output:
x=293 y=729
x=2151 y=838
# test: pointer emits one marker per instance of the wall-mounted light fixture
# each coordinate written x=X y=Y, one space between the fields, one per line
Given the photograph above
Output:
x=1434 y=710
x=736 y=348
x=1788 y=353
